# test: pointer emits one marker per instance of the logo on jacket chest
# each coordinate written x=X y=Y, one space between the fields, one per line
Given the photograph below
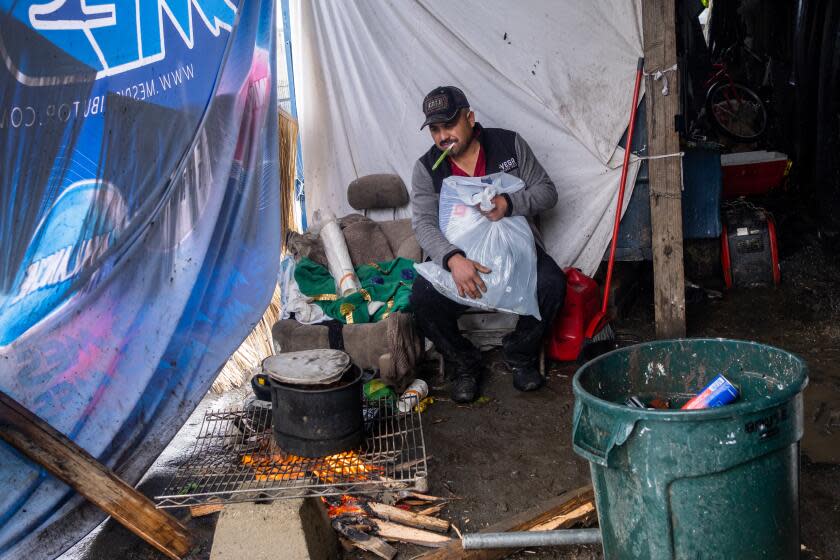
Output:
x=507 y=165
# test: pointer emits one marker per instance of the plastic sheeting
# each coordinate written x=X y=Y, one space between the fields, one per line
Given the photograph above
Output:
x=559 y=72
x=139 y=238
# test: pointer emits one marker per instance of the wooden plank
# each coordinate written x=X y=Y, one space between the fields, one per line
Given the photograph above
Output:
x=555 y=513
x=375 y=545
x=572 y=517
x=49 y=448
x=402 y=533
x=425 y=497
x=397 y=515
x=659 y=28
x=431 y=510
x=205 y=509
x=362 y=540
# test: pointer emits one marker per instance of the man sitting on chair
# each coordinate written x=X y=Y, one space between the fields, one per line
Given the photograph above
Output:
x=476 y=151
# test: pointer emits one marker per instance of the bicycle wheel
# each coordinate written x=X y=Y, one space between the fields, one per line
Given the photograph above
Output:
x=737 y=111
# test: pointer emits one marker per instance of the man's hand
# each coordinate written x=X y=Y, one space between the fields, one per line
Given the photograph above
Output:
x=499 y=211
x=465 y=273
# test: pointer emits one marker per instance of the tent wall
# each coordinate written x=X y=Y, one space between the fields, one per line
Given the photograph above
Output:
x=559 y=72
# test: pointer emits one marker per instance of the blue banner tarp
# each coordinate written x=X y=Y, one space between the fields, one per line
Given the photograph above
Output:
x=139 y=227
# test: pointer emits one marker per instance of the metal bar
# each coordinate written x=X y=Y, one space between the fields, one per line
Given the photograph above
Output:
x=523 y=539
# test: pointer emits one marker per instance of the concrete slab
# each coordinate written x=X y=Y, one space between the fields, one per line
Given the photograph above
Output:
x=289 y=529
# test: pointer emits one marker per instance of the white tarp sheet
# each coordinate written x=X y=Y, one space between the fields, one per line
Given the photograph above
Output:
x=559 y=72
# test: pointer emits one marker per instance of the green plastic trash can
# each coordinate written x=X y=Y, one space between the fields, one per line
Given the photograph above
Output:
x=716 y=483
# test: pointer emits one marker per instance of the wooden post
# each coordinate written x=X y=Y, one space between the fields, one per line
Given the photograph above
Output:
x=51 y=449
x=659 y=29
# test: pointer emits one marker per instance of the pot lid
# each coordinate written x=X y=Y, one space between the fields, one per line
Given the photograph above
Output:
x=307 y=367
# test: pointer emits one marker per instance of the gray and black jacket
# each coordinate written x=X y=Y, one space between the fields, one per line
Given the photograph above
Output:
x=504 y=150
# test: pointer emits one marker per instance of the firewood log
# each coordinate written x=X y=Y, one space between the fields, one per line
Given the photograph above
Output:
x=397 y=515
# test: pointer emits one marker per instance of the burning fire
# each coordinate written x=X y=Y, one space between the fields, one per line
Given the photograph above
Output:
x=275 y=467
x=344 y=465
x=330 y=469
x=343 y=505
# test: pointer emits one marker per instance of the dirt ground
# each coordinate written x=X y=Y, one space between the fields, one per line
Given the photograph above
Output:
x=512 y=452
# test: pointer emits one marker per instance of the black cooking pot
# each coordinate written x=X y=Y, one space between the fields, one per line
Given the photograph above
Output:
x=318 y=420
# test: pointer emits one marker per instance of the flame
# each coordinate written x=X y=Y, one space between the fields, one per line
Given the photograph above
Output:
x=330 y=469
x=348 y=505
x=275 y=467
x=344 y=465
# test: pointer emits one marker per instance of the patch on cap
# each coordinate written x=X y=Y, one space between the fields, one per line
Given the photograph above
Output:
x=436 y=104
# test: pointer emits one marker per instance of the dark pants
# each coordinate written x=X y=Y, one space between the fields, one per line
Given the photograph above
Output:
x=437 y=316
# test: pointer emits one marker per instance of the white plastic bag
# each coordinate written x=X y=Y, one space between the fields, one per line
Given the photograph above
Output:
x=506 y=247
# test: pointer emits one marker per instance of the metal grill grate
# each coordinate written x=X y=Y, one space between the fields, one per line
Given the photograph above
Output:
x=235 y=459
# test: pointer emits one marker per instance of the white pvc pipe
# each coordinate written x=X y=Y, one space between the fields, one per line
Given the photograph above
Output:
x=338 y=258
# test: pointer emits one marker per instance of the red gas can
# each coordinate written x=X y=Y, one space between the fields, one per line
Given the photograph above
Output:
x=583 y=301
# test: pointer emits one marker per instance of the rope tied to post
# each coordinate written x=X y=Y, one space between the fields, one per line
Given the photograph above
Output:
x=663 y=156
x=662 y=75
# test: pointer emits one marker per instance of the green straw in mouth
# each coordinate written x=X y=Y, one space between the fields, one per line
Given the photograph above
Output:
x=443 y=155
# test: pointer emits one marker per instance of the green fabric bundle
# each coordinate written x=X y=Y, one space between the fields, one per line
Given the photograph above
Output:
x=389 y=282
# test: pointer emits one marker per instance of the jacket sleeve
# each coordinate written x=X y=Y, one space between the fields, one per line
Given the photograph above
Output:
x=424 y=218
x=539 y=193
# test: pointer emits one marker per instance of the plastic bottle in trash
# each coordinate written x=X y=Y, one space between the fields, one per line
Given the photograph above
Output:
x=415 y=393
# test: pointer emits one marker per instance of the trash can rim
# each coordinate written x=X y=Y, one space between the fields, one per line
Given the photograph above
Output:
x=734 y=410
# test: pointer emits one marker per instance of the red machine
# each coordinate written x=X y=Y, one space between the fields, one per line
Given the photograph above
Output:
x=749 y=249
x=582 y=304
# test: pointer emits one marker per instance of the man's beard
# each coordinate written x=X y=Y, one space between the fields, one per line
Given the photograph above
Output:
x=461 y=147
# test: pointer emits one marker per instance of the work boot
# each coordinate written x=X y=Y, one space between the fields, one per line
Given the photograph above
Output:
x=464 y=388
x=527 y=378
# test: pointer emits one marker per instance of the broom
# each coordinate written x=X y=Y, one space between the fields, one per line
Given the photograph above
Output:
x=259 y=344
x=599 y=332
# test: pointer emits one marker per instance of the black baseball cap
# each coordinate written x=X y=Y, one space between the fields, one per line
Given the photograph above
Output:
x=442 y=104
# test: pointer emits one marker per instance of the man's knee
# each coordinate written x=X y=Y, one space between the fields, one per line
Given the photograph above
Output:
x=551 y=282
x=424 y=297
